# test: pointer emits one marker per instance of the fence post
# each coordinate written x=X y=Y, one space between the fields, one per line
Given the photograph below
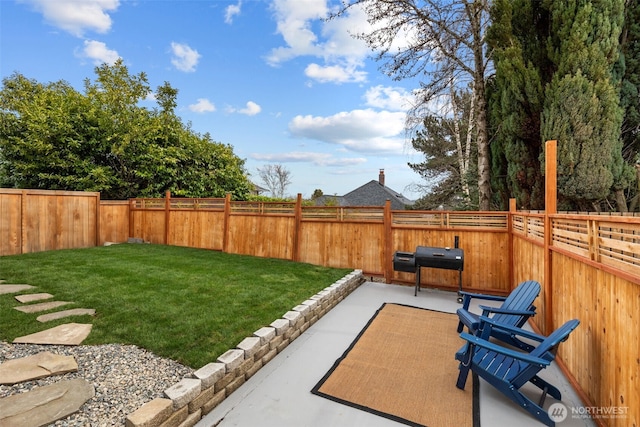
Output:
x=550 y=208
x=23 y=221
x=227 y=214
x=131 y=215
x=167 y=215
x=296 y=230
x=512 y=209
x=388 y=240
x=98 y=215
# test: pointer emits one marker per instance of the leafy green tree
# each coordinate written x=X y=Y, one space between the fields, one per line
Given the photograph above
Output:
x=582 y=109
x=48 y=137
x=54 y=137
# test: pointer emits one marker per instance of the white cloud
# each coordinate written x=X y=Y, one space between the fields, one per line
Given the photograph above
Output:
x=305 y=32
x=294 y=19
x=231 y=11
x=184 y=57
x=77 y=16
x=389 y=98
x=334 y=74
x=357 y=130
x=98 y=53
x=318 y=159
x=251 y=109
x=202 y=106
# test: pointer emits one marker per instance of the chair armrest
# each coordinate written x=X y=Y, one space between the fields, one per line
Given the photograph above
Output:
x=514 y=330
x=483 y=296
x=468 y=296
x=487 y=309
x=525 y=357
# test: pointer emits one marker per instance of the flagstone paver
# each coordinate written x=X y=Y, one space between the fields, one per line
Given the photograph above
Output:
x=32 y=297
x=67 y=334
x=12 y=289
x=45 y=405
x=37 y=366
x=34 y=308
x=65 y=313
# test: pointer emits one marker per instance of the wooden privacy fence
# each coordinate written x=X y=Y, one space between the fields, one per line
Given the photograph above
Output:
x=350 y=237
x=39 y=220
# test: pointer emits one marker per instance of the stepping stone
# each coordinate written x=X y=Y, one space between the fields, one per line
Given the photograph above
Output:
x=65 y=313
x=45 y=405
x=12 y=289
x=32 y=297
x=34 y=308
x=67 y=334
x=37 y=366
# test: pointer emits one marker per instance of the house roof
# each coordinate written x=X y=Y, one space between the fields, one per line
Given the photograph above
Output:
x=373 y=193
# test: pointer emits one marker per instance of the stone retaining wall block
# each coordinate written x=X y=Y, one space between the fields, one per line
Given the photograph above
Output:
x=204 y=396
x=151 y=414
x=280 y=325
x=210 y=373
x=265 y=334
x=232 y=359
x=215 y=401
x=192 y=419
x=183 y=392
x=250 y=346
x=177 y=418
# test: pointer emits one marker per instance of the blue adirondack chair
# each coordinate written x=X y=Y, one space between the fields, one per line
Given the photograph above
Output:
x=514 y=311
x=508 y=370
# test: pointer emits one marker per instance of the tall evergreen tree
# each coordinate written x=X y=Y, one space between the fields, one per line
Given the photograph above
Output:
x=630 y=90
x=582 y=109
x=518 y=39
x=449 y=164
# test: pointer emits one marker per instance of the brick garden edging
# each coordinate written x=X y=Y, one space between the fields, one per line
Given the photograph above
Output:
x=186 y=402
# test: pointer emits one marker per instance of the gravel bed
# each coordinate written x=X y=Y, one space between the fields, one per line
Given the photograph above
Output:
x=125 y=377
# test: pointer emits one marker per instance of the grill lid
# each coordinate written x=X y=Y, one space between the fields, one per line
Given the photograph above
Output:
x=446 y=258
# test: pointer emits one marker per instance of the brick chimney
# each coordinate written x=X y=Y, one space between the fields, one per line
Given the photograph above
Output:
x=381 y=177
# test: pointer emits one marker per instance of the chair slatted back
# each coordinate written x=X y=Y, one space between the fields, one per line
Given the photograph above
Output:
x=518 y=372
x=521 y=298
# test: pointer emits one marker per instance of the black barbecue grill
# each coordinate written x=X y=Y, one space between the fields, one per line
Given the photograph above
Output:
x=431 y=257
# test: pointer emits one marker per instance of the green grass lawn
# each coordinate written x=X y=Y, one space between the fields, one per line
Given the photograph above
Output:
x=186 y=304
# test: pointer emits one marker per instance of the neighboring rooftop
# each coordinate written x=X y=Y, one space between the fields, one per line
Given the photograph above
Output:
x=373 y=193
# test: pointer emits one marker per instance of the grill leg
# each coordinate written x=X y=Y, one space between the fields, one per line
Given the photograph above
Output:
x=415 y=293
x=460 y=287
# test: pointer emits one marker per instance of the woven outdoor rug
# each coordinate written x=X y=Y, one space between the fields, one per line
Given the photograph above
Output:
x=402 y=367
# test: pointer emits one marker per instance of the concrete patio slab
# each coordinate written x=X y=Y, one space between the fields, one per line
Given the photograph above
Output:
x=280 y=395
x=34 y=308
x=45 y=405
x=37 y=366
x=12 y=289
x=67 y=334
x=66 y=313
x=32 y=297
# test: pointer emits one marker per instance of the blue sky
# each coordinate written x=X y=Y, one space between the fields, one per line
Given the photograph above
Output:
x=272 y=78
